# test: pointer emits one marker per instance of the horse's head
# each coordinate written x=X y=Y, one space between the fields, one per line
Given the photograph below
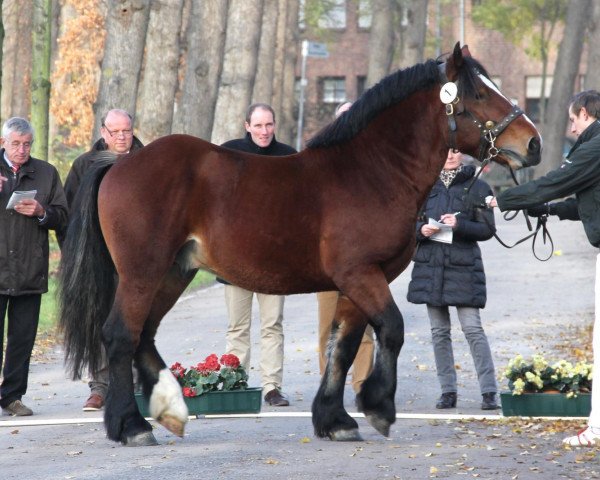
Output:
x=482 y=121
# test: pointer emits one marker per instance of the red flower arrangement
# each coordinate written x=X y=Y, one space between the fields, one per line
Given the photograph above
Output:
x=212 y=374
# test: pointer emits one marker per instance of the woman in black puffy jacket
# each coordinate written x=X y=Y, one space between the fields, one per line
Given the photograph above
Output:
x=449 y=272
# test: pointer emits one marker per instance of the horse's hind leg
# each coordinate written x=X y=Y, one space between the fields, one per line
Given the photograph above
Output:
x=330 y=419
x=123 y=421
x=163 y=393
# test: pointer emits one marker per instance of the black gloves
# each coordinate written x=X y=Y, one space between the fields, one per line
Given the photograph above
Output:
x=539 y=210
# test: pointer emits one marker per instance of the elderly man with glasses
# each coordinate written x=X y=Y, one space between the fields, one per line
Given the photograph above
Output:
x=118 y=138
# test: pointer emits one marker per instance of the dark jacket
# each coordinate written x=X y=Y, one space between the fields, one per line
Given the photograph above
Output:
x=246 y=144
x=452 y=274
x=24 y=240
x=82 y=164
x=579 y=174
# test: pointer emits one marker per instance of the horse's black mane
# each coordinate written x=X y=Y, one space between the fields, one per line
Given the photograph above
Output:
x=389 y=91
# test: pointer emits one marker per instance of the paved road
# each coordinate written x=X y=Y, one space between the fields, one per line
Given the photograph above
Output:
x=531 y=306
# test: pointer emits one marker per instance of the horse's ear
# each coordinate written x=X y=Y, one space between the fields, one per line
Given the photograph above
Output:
x=455 y=62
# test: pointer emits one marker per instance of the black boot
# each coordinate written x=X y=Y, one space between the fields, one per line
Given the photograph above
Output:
x=489 y=401
x=447 y=400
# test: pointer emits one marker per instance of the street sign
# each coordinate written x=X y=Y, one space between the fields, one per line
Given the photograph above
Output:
x=317 y=50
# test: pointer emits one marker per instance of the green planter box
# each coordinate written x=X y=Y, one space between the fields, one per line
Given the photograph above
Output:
x=215 y=403
x=545 y=405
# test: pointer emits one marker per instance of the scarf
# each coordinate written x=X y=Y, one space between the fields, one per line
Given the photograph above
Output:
x=448 y=176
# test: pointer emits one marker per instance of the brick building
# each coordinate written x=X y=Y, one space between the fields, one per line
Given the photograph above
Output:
x=342 y=75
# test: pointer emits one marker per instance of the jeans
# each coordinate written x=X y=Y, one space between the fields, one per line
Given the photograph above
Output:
x=470 y=322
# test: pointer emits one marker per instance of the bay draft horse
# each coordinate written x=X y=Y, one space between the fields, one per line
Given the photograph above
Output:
x=340 y=215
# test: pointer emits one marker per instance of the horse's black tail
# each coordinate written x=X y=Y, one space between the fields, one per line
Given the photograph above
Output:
x=87 y=276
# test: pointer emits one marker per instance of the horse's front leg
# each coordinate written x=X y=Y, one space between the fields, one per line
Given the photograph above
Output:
x=370 y=292
x=330 y=419
x=122 y=419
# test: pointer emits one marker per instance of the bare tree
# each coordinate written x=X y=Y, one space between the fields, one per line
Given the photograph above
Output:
x=592 y=77
x=40 y=83
x=16 y=59
x=239 y=68
x=205 y=45
x=567 y=68
x=381 y=41
x=263 y=83
x=126 y=26
x=284 y=100
x=413 y=31
x=159 y=83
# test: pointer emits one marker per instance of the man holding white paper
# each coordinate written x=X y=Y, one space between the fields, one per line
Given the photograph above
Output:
x=24 y=253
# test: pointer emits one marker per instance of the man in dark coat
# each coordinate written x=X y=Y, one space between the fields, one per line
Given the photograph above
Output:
x=24 y=253
x=118 y=138
x=259 y=139
x=448 y=271
x=578 y=175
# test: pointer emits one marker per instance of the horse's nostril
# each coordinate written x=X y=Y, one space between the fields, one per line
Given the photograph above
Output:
x=534 y=145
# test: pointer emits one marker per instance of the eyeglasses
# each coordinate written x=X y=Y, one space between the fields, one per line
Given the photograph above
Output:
x=116 y=133
x=18 y=145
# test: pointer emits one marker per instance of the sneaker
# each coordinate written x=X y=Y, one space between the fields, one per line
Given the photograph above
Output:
x=94 y=403
x=584 y=438
x=17 y=409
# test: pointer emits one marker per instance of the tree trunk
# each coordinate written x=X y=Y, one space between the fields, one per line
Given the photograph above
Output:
x=126 y=26
x=283 y=99
x=16 y=60
x=381 y=41
x=161 y=68
x=40 y=82
x=565 y=73
x=263 y=84
x=205 y=45
x=592 y=76
x=239 y=69
x=1 y=48
x=413 y=32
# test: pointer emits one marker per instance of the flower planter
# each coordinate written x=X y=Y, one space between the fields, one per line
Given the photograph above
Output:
x=215 y=403
x=545 y=405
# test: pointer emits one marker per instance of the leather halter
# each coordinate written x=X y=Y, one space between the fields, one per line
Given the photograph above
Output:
x=489 y=129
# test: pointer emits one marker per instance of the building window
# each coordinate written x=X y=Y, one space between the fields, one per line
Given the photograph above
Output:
x=361 y=83
x=334 y=89
x=533 y=94
x=334 y=17
x=365 y=14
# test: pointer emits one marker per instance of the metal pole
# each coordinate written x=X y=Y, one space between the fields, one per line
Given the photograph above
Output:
x=301 y=101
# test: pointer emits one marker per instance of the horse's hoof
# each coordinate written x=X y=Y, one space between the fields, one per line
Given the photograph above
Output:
x=172 y=424
x=350 y=435
x=379 y=423
x=145 y=439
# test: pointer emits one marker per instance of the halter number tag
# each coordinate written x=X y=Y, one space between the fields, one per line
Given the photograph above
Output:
x=448 y=93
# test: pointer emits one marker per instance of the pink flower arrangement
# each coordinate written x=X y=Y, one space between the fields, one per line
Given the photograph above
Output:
x=212 y=374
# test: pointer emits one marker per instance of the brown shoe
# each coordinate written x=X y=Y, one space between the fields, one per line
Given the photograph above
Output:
x=17 y=409
x=276 y=399
x=94 y=403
